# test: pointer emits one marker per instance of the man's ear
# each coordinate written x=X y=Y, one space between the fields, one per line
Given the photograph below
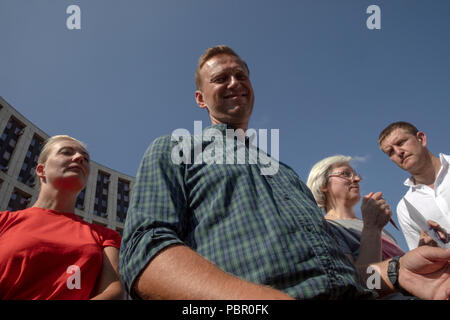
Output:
x=422 y=138
x=199 y=99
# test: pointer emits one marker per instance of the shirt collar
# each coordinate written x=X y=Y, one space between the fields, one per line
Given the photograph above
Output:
x=444 y=160
x=409 y=182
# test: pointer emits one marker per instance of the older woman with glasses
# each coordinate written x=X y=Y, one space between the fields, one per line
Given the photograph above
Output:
x=335 y=186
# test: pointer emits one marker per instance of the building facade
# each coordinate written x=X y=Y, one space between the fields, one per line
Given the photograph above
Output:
x=105 y=199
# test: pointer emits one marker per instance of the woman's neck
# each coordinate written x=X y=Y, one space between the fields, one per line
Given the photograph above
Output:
x=56 y=200
x=341 y=213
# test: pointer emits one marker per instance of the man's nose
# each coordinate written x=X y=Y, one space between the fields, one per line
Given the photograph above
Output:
x=399 y=152
x=233 y=82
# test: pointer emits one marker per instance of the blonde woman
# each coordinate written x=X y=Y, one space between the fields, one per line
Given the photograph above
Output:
x=46 y=251
x=335 y=186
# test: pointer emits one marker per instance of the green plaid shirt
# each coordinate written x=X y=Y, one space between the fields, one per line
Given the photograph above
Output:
x=261 y=228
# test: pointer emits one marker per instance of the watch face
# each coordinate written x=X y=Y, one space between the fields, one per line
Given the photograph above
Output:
x=393 y=270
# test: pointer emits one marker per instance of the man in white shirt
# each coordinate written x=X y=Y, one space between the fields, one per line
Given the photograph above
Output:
x=429 y=184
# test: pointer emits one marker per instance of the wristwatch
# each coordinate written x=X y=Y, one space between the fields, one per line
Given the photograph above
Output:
x=393 y=268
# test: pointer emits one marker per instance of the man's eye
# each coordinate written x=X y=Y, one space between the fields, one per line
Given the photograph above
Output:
x=219 y=80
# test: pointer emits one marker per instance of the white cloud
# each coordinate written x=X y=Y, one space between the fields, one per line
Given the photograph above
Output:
x=361 y=159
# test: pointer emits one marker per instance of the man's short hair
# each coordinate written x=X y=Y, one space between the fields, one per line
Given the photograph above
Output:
x=408 y=127
x=212 y=52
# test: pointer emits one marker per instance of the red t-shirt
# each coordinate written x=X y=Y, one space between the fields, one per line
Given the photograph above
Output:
x=47 y=254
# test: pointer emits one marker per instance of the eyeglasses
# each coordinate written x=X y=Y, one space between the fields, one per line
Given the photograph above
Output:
x=347 y=175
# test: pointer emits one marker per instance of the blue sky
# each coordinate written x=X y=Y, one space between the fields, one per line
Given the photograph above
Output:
x=320 y=76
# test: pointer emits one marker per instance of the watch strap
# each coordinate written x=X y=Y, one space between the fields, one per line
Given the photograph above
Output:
x=393 y=274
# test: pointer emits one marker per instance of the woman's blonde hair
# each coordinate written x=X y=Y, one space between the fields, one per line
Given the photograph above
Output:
x=50 y=142
x=319 y=174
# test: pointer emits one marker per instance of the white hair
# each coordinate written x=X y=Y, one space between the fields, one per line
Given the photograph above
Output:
x=319 y=174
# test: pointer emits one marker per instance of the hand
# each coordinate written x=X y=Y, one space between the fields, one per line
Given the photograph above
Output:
x=425 y=273
x=425 y=239
x=376 y=213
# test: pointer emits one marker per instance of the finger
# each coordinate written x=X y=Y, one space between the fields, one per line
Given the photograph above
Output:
x=440 y=231
x=378 y=195
x=433 y=224
x=368 y=196
x=443 y=236
x=425 y=240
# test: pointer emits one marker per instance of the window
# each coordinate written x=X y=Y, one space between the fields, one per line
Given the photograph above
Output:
x=19 y=200
x=26 y=174
x=8 y=141
x=101 y=195
x=123 y=194
x=6 y=155
x=12 y=143
x=80 y=200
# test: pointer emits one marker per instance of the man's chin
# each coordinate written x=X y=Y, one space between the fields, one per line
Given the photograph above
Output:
x=406 y=167
x=407 y=164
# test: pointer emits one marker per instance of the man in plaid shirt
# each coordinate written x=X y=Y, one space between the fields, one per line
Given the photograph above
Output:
x=200 y=229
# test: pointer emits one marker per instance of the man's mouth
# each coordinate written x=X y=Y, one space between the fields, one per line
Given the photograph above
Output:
x=404 y=159
x=235 y=96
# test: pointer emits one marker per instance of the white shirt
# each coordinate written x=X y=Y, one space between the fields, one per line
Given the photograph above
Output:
x=433 y=204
